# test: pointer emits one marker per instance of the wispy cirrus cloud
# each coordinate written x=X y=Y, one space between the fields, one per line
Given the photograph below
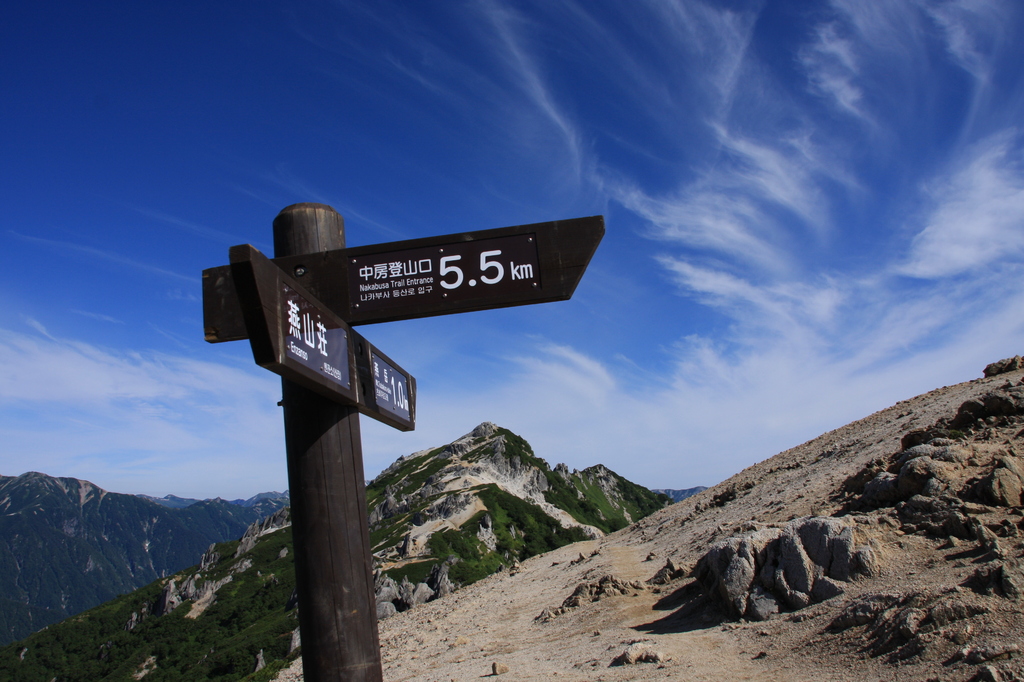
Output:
x=116 y=417
x=526 y=72
x=108 y=256
x=831 y=65
x=974 y=30
x=977 y=215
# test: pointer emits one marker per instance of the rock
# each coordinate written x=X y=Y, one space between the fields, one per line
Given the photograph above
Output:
x=985 y=537
x=438 y=580
x=498 y=668
x=1005 y=578
x=914 y=475
x=1003 y=366
x=988 y=673
x=485 y=533
x=667 y=574
x=825 y=588
x=803 y=563
x=209 y=559
x=168 y=600
x=385 y=588
x=762 y=604
x=296 y=641
x=863 y=611
x=990 y=652
x=638 y=652
x=1005 y=485
x=385 y=609
x=994 y=404
x=133 y=620
x=881 y=491
x=256 y=529
x=729 y=567
x=261 y=662
x=421 y=594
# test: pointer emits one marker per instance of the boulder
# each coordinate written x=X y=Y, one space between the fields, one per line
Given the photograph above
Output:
x=1003 y=366
x=438 y=580
x=385 y=609
x=1002 y=488
x=805 y=562
x=881 y=491
x=638 y=652
x=915 y=475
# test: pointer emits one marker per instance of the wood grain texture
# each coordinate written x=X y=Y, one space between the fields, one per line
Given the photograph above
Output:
x=337 y=610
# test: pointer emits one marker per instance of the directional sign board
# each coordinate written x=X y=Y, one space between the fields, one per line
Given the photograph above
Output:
x=294 y=335
x=454 y=273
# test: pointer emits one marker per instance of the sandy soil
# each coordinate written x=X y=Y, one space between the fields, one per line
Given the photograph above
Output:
x=496 y=620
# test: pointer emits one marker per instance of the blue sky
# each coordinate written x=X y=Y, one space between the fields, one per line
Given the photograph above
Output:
x=813 y=210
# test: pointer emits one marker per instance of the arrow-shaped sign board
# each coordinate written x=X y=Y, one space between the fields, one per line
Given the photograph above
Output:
x=403 y=280
x=296 y=336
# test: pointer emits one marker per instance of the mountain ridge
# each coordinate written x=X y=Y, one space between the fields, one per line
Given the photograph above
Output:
x=67 y=545
x=237 y=608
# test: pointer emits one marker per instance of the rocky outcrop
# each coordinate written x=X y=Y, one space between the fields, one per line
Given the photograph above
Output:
x=761 y=573
x=592 y=591
x=256 y=529
x=451 y=490
x=194 y=589
x=392 y=597
x=1004 y=366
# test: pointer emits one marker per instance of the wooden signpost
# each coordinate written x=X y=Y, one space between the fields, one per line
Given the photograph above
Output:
x=297 y=310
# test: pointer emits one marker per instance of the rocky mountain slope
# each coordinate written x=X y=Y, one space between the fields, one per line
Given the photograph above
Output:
x=442 y=518
x=67 y=545
x=487 y=499
x=887 y=549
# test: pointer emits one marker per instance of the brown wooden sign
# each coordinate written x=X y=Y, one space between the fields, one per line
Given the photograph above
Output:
x=297 y=337
x=455 y=273
x=296 y=311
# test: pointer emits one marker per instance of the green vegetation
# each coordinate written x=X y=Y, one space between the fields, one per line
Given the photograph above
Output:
x=249 y=614
x=66 y=546
x=221 y=644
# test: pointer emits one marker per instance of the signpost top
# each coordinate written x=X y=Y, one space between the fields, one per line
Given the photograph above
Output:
x=402 y=280
x=297 y=337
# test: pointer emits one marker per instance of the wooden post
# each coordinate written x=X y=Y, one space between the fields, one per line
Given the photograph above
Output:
x=334 y=578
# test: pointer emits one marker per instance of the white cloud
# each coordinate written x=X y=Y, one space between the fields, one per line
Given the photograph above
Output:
x=720 y=407
x=832 y=69
x=734 y=208
x=973 y=29
x=977 y=217
x=137 y=422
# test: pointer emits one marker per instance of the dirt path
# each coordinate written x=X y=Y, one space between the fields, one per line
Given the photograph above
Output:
x=495 y=621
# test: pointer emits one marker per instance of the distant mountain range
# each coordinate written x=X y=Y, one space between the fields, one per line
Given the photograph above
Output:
x=175 y=502
x=67 y=545
x=680 y=495
x=440 y=519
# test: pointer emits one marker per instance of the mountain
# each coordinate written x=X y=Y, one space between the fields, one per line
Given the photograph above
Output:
x=171 y=501
x=175 y=502
x=890 y=548
x=449 y=516
x=489 y=500
x=679 y=495
x=275 y=497
x=67 y=545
